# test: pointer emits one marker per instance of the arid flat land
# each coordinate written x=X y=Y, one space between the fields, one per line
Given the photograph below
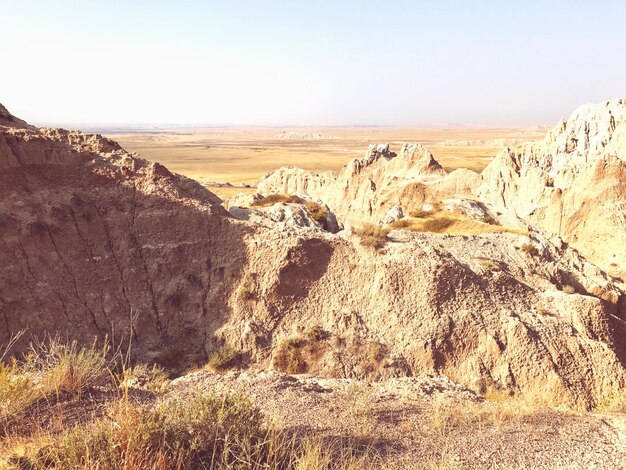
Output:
x=244 y=155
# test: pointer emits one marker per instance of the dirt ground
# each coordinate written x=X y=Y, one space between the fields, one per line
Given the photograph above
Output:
x=429 y=422
x=244 y=155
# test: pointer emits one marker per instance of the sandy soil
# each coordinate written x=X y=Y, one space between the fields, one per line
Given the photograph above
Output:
x=244 y=155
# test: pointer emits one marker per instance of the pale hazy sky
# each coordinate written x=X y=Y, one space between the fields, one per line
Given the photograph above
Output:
x=309 y=62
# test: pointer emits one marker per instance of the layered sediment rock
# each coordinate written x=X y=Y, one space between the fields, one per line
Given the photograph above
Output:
x=96 y=241
x=573 y=183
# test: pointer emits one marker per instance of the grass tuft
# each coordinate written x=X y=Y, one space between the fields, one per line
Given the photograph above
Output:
x=372 y=235
x=272 y=199
x=224 y=358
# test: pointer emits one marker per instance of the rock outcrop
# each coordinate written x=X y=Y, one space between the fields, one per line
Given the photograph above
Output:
x=573 y=183
x=96 y=241
x=365 y=189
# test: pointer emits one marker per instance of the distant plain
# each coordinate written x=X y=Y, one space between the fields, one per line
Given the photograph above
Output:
x=241 y=156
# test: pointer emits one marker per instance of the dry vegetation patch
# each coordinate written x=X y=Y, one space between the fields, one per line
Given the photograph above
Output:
x=224 y=358
x=439 y=221
x=272 y=199
x=372 y=235
x=296 y=354
x=318 y=212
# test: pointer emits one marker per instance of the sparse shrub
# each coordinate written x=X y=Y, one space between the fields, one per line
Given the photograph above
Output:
x=50 y=369
x=568 y=289
x=70 y=369
x=376 y=352
x=372 y=235
x=318 y=212
x=289 y=357
x=543 y=311
x=437 y=225
x=294 y=355
x=530 y=249
x=401 y=224
x=200 y=431
x=489 y=265
x=272 y=199
x=224 y=358
x=19 y=389
x=420 y=214
x=204 y=430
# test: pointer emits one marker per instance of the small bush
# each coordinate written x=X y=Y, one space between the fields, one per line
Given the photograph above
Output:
x=294 y=355
x=530 y=249
x=438 y=224
x=272 y=199
x=318 y=212
x=223 y=359
x=70 y=369
x=372 y=235
x=289 y=357
x=568 y=289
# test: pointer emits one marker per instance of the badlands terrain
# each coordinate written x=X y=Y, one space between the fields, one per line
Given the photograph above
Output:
x=244 y=155
x=392 y=310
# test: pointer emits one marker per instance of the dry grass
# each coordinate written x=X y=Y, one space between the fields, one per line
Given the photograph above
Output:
x=372 y=235
x=224 y=358
x=530 y=249
x=51 y=369
x=200 y=430
x=153 y=379
x=450 y=223
x=272 y=199
x=318 y=212
x=296 y=354
x=244 y=292
x=568 y=289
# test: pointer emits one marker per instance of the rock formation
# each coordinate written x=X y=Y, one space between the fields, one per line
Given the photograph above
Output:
x=367 y=188
x=573 y=183
x=95 y=240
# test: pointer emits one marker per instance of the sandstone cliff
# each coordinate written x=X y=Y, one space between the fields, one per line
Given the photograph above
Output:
x=573 y=183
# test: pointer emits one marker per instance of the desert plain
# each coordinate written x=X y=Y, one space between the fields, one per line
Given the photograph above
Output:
x=243 y=155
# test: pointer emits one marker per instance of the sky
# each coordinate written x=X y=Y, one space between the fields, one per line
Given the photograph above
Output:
x=293 y=62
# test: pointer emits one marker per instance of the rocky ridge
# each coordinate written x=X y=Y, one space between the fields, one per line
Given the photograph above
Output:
x=97 y=241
